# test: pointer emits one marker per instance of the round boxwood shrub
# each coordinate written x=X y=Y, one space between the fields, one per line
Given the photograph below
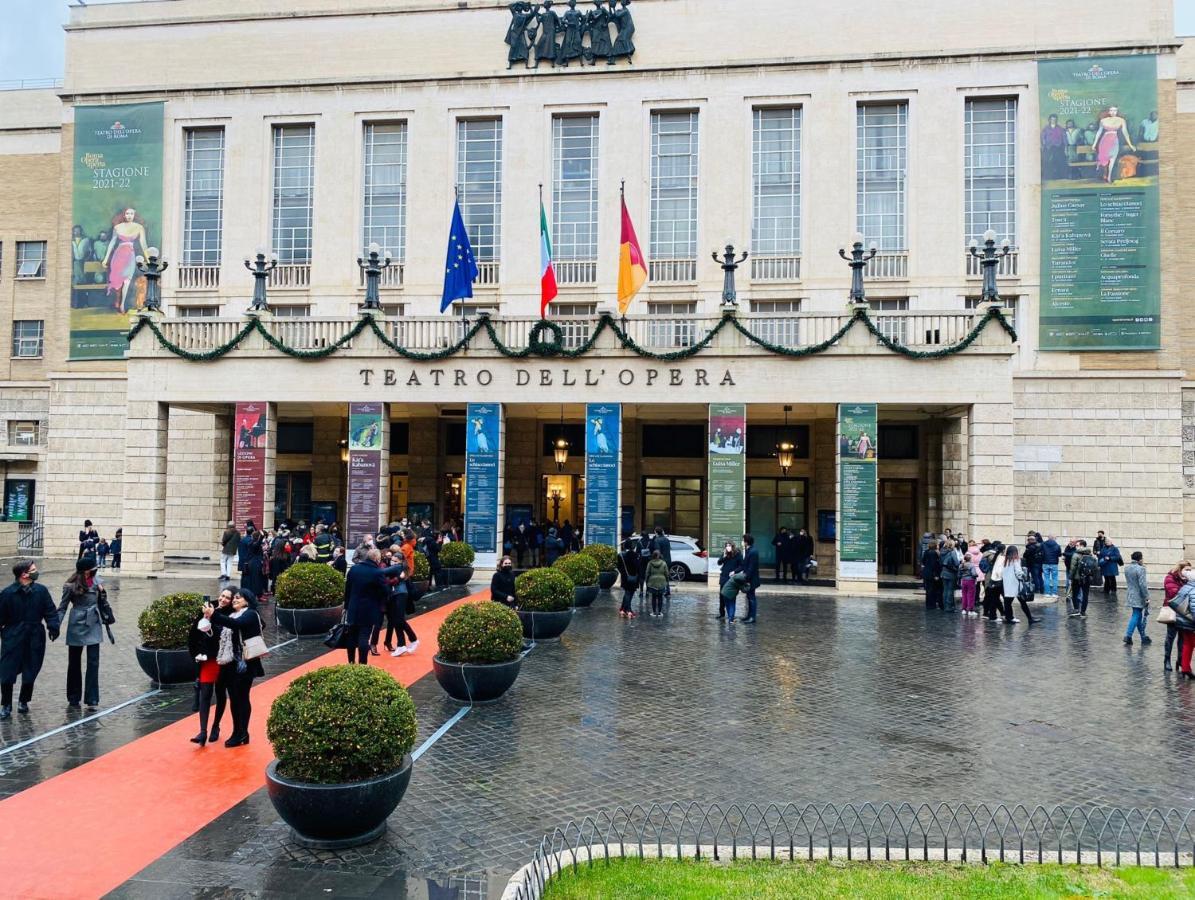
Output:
x=341 y=724
x=481 y=634
x=166 y=622
x=423 y=568
x=603 y=554
x=309 y=585
x=582 y=570
x=544 y=590
x=457 y=555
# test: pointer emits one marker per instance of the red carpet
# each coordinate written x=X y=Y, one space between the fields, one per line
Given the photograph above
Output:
x=133 y=805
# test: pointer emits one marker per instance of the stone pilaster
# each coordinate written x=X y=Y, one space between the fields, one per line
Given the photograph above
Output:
x=423 y=474
x=990 y=472
x=198 y=475
x=523 y=455
x=384 y=468
x=956 y=504
x=825 y=491
x=269 y=483
x=147 y=429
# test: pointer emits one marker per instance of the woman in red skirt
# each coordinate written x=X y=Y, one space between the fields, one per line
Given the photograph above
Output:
x=204 y=645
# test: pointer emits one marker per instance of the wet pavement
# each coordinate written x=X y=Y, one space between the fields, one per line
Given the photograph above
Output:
x=825 y=700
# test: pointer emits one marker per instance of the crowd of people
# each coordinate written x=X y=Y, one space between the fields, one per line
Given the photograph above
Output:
x=532 y=543
x=104 y=550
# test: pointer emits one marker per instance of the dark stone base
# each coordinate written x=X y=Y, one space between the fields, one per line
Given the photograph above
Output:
x=606 y=580
x=458 y=576
x=167 y=666
x=584 y=595
x=468 y=683
x=307 y=622
x=544 y=626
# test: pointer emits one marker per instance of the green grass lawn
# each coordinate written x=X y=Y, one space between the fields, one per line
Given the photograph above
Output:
x=627 y=879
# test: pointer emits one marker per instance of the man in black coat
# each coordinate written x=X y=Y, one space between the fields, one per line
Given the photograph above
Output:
x=803 y=551
x=931 y=576
x=750 y=569
x=365 y=595
x=24 y=606
x=783 y=544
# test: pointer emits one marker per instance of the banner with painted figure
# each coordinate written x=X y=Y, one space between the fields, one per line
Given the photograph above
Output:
x=117 y=199
x=366 y=425
x=483 y=437
x=1100 y=211
x=603 y=472
x=250 y=434
x=727 y=477
x=858 y=455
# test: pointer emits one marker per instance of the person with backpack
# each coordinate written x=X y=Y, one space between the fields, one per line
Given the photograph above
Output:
x=1137 y=585
x=644 y=547
x=1083 y=572
x=952 y=562
x=661 y=543
x=1016 y=583
x=657 y=581
x=628 y=571
x=1110 y=563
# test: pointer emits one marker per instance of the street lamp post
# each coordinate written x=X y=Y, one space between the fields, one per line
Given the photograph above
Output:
x=376 y=262
x=990 y=257
x=152 y=265
x=857 y=259
x=729 y=264
x=260 y=266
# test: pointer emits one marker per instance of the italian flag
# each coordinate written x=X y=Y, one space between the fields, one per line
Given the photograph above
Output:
x=547 y=273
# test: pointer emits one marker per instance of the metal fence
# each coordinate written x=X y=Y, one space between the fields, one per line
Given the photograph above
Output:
x=869 y=832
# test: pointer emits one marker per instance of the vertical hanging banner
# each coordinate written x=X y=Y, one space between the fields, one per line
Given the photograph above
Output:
x=1100 y=211
x=727 y=477
x=603 y=472
x=857 y=463
x=483 y=430
x=117 y=202
x=250 y=432
x=365 y=466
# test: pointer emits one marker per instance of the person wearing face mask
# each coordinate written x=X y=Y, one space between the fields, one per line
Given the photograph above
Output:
x=502 y=585
x=87 y=602
x=203 y=642
x=1183 y=605
x=240 y=627
x=24 y=606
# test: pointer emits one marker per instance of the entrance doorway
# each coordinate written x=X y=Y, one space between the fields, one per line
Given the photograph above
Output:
x=563 y=501
x=454 y=497
x=676 y=505
x=292 y=497
x=898 y=525
x=772 y=504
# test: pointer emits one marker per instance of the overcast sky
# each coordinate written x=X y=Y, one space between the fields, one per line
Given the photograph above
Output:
x=31 y=38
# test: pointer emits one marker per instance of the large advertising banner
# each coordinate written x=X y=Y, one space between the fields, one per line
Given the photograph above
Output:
x=250 y=432
x=857 y=463
x=365 y=466
x=1101 y=257
x=603 y=472
x=483 y=436
x=117 y=217
x=728 y=477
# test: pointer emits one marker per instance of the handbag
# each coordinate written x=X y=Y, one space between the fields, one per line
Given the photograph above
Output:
x=337 y=637
x=255 y=647
x=1167 y=616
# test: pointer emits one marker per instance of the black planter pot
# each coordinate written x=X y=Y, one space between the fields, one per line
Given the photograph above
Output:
x=421 y=587
x=544 y=626
x=307 y=622
x=335 y=816
x=584 y=595
x=606 y=579
x=470 y=683
x=167 y=666
x=457 y=576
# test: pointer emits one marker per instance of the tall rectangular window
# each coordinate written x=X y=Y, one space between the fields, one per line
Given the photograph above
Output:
x=776 y=173
x=574 y=187
x=479 y=177
x=674 y=163
x=27 y=338
x=990 y=172
x=882 y=168
x=385 y=203
x=203 y=196
x=294 y=190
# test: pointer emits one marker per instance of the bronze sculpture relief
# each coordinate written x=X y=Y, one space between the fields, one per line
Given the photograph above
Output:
x=538 y=32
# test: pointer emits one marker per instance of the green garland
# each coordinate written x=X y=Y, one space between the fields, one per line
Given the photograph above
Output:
x=546 y=340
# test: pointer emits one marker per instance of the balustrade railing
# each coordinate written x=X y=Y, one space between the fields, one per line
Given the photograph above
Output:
x=576 y=271
x=198 y=278
x=291 y=276
x=672 y=271
x=776 y=268
x=391 y=277
x=888 y=265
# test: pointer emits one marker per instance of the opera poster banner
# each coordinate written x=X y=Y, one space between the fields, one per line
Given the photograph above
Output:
x=117 y=202
x=1100 y=211
x=483 y=430
x=250 y=434
x=365 y=465
x=727 y=477
x=603 y=475
x=857 y=463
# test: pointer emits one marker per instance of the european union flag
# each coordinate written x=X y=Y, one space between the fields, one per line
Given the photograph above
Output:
x=460 y=268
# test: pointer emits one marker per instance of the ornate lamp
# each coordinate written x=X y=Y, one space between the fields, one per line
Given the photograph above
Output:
x=729 y=264
x=373 y=265
x=260 y=266
x=561 y=446
x=152 y=265
x=857 y=259
x=786 y=449
x=989 y=257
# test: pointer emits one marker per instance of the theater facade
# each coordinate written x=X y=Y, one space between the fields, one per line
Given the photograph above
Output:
x=912 y=401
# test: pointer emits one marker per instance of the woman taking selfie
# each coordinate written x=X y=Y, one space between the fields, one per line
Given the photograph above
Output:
x=241 y=647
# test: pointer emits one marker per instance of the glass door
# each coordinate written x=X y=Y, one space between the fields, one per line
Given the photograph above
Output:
x=772 y=504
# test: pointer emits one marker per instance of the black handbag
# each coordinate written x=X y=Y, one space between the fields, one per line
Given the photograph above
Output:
x=337 y=637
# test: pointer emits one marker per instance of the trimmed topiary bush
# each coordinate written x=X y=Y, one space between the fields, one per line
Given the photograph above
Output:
x=308 y=585
x=166 y=623
x=481 y=634
x=341 y=724
x=423 y=568
x=457 y=555
x=603 y=554
x=544 y=590
x=583 y=570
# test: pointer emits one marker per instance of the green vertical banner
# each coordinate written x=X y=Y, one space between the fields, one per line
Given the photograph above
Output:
x=858 y=555
x=728 y=477
x=1100 y=212
x=117 y=194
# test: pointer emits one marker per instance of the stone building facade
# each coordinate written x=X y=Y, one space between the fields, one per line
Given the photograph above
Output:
x=1000 y=438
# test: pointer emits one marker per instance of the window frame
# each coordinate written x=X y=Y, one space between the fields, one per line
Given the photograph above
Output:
x=566 y=246
x=873 y=181
x=473 y=195
x=23 y=260
x=371 y=190
x=285 y=251
x=771 y=246
x=1008 y=229
x=20 y=340
x=685 y=192
x=210 y=252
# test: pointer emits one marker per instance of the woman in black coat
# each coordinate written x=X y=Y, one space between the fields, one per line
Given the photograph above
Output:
x=502 y=585
x=728 y=564
x=239 y=627
x=203 y=643
x=254 y=577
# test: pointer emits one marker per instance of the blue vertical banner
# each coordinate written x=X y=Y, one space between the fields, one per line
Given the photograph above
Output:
x=603 y=472
x=483 y=448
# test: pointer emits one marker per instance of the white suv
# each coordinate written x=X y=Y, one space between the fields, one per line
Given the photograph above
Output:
x=688 y=559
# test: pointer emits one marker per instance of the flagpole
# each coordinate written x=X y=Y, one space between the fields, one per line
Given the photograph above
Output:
x=622 y=193
x=456 y=199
